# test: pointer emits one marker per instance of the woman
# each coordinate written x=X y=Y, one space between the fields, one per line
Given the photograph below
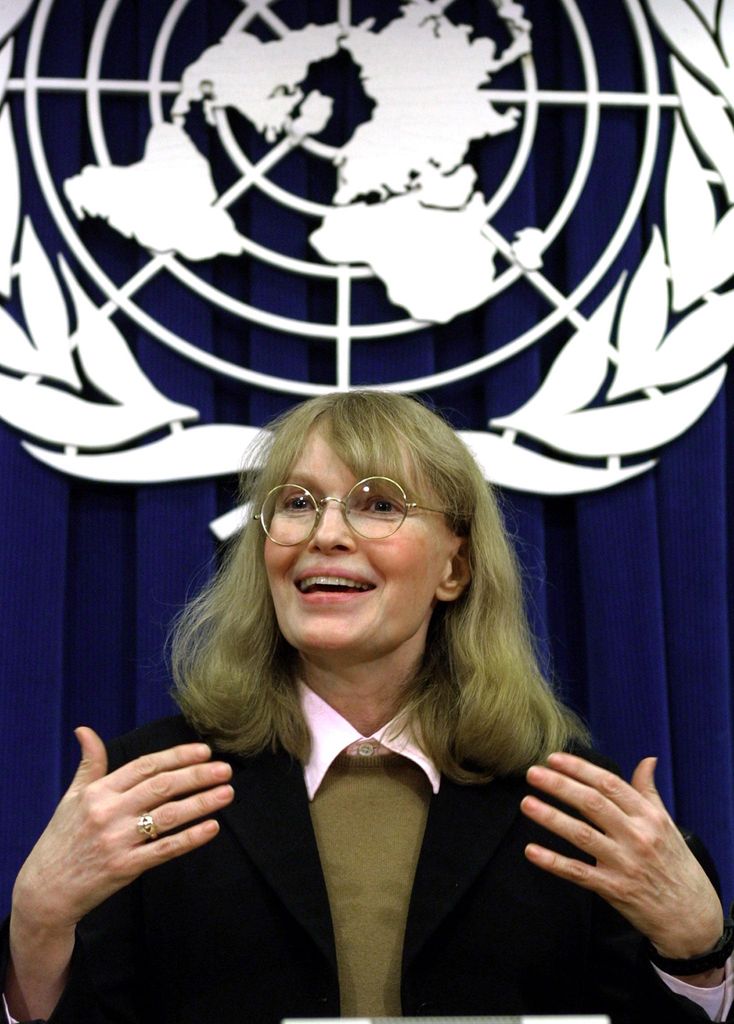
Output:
x=362 y=670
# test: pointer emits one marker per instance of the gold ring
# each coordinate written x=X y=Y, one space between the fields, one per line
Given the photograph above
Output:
x=146 y=826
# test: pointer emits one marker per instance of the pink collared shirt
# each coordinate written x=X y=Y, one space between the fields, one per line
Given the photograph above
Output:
x=331 y=735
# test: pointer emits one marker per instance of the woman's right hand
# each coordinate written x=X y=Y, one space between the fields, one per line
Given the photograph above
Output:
x=91 y=848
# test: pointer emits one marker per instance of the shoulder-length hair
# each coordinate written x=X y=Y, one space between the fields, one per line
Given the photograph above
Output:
x=478 y=700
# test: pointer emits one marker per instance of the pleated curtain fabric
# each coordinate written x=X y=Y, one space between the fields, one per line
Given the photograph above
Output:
x=629 y=589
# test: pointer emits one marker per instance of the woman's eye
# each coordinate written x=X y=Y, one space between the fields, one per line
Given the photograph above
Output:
x=379 y=499
x=384 y=507
x=297 y=503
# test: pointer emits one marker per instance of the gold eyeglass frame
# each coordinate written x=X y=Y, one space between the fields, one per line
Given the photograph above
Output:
x=320 y=504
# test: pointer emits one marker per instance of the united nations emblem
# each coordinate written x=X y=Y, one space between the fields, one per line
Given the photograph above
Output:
x=362 y=181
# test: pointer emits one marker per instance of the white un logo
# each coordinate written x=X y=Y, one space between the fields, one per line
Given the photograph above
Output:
x=361 y=185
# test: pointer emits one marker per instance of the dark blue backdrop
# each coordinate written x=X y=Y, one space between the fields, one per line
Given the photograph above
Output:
x=628 y=588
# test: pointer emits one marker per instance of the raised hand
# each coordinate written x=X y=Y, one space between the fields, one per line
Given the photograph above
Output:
x=642 y=865
x=92 y=847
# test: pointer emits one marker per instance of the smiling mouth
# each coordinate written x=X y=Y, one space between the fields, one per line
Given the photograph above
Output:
x=331 y=585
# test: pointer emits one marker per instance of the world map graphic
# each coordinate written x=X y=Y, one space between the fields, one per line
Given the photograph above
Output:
x=406 y=202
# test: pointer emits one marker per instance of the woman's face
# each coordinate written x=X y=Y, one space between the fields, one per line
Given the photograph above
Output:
x=405 y=575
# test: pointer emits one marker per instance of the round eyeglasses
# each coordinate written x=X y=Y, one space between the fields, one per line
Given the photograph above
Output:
x=375 y=508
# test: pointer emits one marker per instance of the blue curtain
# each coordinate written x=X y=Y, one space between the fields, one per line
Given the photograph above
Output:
x=628 y=588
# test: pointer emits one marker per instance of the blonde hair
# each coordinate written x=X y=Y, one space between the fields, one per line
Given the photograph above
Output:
x=479 y=699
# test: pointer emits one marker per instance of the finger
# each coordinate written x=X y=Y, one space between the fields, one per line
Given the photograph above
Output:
x=588 y=876
x=174 y=815
x=592 y=804
x=148 y=766
x=579 y=833
x=643 y=780
x=607 y=783
x=129 y=862
x=169 y=847
x=93 y=763
x=158 y=790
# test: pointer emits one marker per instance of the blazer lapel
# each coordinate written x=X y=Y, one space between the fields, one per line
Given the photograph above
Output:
x=464 y=828
x=271 y=820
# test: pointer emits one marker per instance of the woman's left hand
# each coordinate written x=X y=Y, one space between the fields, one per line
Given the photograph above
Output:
x=643 y=866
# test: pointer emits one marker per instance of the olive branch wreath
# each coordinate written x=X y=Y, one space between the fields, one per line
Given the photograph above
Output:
x=655 y=337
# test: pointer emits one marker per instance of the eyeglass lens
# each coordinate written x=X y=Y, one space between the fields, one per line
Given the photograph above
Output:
x=374 y=508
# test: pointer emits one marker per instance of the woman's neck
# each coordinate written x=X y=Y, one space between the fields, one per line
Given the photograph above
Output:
x=367 y=700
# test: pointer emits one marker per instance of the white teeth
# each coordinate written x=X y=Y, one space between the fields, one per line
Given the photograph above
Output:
x=331 y=581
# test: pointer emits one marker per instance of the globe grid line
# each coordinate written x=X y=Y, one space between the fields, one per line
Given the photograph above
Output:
x=44 y=83
x=160 y=47
x=343 y=326
x=94 y=63
x=344 y=12
x=305 y=206
x=543 y=97
x=263 y=9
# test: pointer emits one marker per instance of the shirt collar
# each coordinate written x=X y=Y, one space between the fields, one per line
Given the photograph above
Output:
x=331 y=734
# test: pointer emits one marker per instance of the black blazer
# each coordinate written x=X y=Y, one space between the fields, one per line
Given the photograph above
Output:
x=240 y=931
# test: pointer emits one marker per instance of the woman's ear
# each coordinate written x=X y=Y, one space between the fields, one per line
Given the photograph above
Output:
x=457 y=577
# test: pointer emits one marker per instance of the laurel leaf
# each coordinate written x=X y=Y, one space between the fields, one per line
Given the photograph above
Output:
x=12 y=13
x=696 y=343
x=44 y=309
x=10 y=204
x=197 y=453
x=579 y=370
x=16 y=351
x=105 y=357
x=642 y=321
x=230 y=523
x=700 y=251
x=707 y=10
x=707 y=119
x=687 y=34
x=690 y=216
x=510 y=465
x=625 y=429
x=60 y=418
x=725 y=29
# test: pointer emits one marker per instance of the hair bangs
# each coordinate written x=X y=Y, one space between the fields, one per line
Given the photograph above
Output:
x=371 y=445
x=366 y=431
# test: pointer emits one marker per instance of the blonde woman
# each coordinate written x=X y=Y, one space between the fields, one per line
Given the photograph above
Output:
x=344 y=819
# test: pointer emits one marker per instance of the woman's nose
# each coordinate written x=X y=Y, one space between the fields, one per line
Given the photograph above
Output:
x=332 y=529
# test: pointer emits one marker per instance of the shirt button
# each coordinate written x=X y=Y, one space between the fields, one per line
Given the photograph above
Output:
x=365 y=749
